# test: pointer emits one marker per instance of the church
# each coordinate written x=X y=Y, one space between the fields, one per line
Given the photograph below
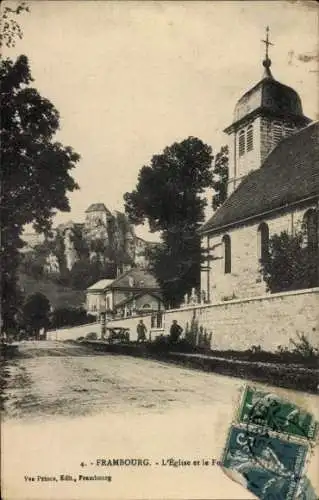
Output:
x=273 y=186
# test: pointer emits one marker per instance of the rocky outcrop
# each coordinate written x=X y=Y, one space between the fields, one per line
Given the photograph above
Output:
x=104 y=237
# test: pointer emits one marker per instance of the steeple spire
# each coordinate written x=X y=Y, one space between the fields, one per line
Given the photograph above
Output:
x=267 y=61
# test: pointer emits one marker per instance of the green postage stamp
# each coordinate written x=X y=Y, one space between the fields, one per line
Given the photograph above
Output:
x=269 y=444
x=265 y=409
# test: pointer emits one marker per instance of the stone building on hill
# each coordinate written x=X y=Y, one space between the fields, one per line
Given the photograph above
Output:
x=104 y=237
x=97 y=215
x=273 y=187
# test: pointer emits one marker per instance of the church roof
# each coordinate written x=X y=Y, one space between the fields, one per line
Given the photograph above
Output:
x=269 y=95
x=289 y=175
x=97 y=207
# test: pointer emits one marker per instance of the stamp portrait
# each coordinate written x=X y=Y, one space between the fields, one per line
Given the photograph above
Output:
x=271 y=465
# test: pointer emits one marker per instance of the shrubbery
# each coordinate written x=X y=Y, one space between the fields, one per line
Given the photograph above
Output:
x=197 y=336
x=69 y=316
x=91 y=336
x=290 y=264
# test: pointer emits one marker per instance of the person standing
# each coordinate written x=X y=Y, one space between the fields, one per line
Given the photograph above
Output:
x=175 y=331
x=141 y=331
x=4 y=337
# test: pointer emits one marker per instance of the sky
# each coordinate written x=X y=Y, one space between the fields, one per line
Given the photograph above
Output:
x=130 y=78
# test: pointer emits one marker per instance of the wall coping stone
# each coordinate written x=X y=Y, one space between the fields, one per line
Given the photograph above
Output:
x=94 y=323
x=140 y=316
x=259 y=298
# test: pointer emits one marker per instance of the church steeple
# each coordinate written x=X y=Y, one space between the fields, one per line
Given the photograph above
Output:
x=267 y=61
x=263 y=116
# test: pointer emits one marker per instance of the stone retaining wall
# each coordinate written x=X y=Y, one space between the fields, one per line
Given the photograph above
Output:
x=73 y=333
x=268 y=321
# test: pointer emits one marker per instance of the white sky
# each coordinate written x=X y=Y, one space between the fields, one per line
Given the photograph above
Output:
x=130 y=78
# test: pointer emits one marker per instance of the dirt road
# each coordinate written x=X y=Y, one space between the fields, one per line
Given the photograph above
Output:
x=66 y=407
x=55 y=378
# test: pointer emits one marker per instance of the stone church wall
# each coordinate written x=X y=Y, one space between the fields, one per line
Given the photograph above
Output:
x=268 y=321
x=245 y=279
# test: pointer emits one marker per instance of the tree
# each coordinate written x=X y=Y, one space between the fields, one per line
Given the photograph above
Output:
x=176 y=264
x=9 y=27
x=35 y=173
x=85 y=273
x=169 y=196
x=220 y=177
x=32 y=263
x=70 y=316
x=291 y=264
x=36 y=312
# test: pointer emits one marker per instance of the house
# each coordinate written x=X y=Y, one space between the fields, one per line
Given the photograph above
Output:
x=95 y=297
x=273 y=187
x=134 y=292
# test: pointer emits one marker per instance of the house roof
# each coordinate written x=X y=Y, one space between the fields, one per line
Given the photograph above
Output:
x=97 y=207
x=136 y=278
x=289 y=174
x=100 y=285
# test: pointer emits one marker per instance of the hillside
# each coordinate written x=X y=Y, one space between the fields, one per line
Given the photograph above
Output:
x=59 y=296
x=83 y=252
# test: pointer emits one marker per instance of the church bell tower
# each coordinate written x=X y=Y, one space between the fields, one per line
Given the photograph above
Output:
x=263 y=116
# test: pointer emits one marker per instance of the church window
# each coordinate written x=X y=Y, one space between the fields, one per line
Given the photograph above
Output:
x=241 y=143
x=263 y=241
x=250 y=138
x=311 y=228
x=277 y=132
x=227 y=253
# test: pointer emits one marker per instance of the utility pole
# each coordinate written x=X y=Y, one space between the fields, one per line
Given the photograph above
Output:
x=207 y=268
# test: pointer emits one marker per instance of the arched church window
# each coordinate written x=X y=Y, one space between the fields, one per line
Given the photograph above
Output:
x=263 y=241
x=241 y=143
x=310 y=222
x=250 y=138
x=227 y=253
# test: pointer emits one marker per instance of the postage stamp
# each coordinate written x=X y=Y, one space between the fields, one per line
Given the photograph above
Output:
x=269 y=411
x=271 y=466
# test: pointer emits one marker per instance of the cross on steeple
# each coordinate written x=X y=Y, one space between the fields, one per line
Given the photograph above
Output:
x=267 y=42
x=267 y=61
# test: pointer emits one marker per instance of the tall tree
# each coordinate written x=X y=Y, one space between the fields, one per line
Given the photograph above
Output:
x=220 y=179
x=169 y=196
x=36 y=310
x=35 y=169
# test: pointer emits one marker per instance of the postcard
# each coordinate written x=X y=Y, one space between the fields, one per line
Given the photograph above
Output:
x=159 y=250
